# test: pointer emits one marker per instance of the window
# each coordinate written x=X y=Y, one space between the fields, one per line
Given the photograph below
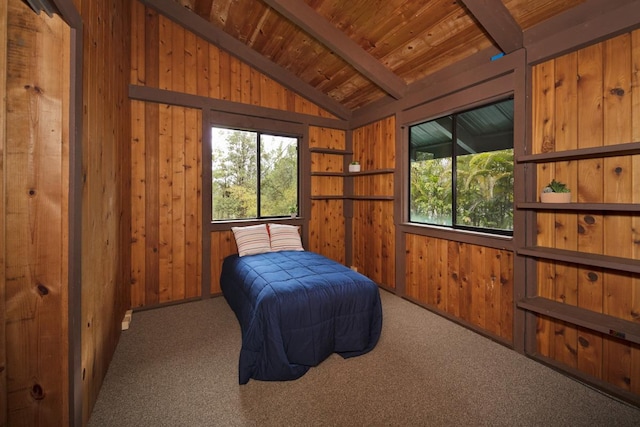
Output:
x=467 y=184
x=254 y=175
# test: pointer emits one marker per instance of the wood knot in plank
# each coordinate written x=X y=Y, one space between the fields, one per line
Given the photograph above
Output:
x=42 y=289
x=583 y=342
x=618 y=170
x=35 y=89
x=617 y=91
x=581 y=229
x=37 y=392
x=31 y=192
x=589 y=219
x=593 y=277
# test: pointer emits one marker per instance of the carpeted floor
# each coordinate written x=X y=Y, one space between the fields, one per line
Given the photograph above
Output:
x=177 y=366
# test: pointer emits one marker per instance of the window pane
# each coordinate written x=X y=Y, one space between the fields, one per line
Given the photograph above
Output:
x=278 y=175
x=468 y=184
x=234 y=174
x=431 y=172
x=484 y=167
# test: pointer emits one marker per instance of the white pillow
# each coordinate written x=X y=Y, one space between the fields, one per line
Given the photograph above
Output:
x=285 y=238
x=252 y=239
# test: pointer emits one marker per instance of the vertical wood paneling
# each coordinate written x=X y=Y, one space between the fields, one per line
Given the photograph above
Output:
x=106 y=214
x=373 y=220
x=36 y=226
x=469 y=282
x=617 y=184
x=223 y=244
x=166 y=249
x=600 y=110
x=544 y=141
x=566 y=224
x=326 y=234
x=3 y=123
x=635 y=221
x=166 y=196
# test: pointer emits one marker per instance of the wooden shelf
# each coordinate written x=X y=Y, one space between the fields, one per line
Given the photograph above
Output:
x=625 y=149
x=329 y=151
x=352 y=198
x=372 y=172
x=328 y=197
x=583 y=258
x=610 y=207
x=371 y=197
x=342 y=174
x=608 y=325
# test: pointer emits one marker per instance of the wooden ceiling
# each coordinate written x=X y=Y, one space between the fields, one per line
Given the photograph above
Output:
x=357 y=52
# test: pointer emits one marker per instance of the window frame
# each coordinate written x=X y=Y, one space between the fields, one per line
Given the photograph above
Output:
x=260 y=125
x=454 y=113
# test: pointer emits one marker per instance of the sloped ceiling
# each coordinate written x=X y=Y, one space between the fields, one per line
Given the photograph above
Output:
x=346 y=55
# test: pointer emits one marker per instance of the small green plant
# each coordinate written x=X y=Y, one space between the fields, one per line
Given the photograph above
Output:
x=354 y=163
x=556 y=187
x=293 y=209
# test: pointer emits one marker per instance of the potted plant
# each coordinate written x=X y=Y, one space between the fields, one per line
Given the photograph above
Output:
x=293 y=210
x=354 y=166
x=555 y=192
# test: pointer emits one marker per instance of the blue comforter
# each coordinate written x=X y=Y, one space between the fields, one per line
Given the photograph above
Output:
x=295 y=309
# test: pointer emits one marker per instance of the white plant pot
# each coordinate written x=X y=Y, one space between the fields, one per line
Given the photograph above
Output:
x=555 y=197
x=354 y=168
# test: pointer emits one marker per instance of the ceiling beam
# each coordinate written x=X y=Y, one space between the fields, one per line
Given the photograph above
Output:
x=214 y=35
x=497 y=21
x=305 y=17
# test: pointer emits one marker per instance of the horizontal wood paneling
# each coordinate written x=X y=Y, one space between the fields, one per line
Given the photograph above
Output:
x=587 y=99
x=469 y=282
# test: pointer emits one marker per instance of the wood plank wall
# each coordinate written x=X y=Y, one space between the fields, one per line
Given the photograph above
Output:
x=589 y=98
x=326 y=233
x=166 y=219
x=469 y=282
x=373 y=229
x=106 y=168
x=4 y=19
x=37 y=187
x=36 y=182
x=166 y=254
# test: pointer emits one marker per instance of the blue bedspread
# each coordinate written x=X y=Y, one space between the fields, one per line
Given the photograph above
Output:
x=295 y=309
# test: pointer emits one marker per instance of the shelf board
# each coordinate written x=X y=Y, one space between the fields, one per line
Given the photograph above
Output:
x=371 y=197
x=583 y=258
x=328 y=174
x=625 y=149
x=352 y=198
x=337 y=197
x=372 y=172
x=611 y=207
x=329 y=151
x=608 y=325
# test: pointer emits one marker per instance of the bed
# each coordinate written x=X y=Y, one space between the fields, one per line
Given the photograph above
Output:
x=296 y=308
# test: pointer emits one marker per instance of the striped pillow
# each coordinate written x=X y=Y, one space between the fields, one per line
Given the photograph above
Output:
x=285 y=238
x=251 y=240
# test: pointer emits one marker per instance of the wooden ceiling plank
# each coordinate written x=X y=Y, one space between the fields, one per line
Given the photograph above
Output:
x=311 y=22
x=498 y=22
x=212 y=34
x=203 y=8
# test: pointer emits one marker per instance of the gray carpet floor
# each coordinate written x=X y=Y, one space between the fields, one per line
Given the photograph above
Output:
x=178 y=366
